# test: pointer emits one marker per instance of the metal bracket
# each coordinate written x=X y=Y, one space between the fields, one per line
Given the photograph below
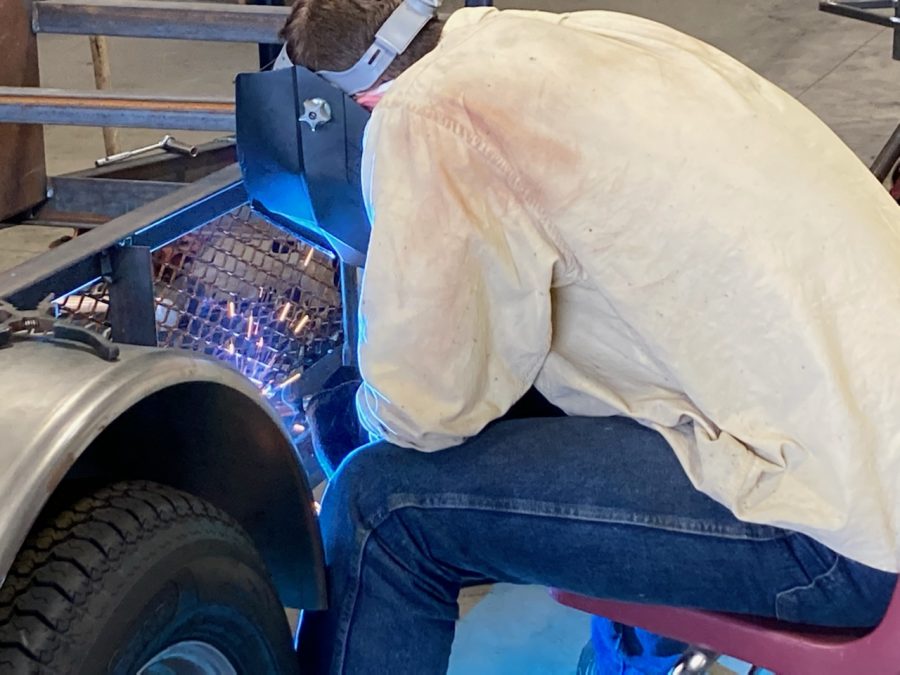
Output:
x=132 y=304
x=350 y=310
x=106 y=266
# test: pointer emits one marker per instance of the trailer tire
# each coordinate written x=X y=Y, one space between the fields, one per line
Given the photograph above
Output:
x=134 y=571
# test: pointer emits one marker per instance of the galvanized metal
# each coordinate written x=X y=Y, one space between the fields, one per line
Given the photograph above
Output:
x=161 y=19
x=34 y=105
x=22 y=169
x=225 y=444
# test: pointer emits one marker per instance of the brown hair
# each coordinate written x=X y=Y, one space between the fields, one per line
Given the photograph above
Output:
x=334 y=34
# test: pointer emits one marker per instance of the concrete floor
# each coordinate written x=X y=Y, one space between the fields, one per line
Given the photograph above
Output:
x=841 y=69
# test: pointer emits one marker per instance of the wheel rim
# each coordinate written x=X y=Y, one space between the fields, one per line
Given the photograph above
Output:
x=188 y=658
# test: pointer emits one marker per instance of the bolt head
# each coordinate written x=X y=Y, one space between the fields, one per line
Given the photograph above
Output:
x=316 y=112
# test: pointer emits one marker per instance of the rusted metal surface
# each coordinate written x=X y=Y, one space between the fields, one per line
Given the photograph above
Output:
x=22 y=169
x=161 y=19
x=90 y=108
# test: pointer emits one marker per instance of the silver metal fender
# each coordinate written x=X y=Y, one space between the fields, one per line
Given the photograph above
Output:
x=165 y=415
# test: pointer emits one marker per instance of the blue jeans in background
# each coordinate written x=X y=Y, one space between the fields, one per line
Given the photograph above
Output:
x=599 y=506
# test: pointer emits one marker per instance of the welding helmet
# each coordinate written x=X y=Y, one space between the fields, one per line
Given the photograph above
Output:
x=300 y=138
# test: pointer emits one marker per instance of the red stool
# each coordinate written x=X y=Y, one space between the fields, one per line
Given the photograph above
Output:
x=786 y=649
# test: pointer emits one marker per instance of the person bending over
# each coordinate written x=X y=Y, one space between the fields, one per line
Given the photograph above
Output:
x=672 y=251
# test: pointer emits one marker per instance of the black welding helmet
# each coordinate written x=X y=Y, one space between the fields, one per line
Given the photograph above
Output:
x=300 y=138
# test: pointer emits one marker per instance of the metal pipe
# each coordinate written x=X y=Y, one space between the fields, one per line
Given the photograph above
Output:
x=167 y=144
x=213 y=21
x=862 y=11
x=34 y=105
x=888 y=157
x=896 y=46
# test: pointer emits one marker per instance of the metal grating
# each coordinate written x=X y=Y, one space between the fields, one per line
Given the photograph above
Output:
x=243 y=291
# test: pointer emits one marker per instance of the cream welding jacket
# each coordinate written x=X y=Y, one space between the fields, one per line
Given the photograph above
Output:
x=639 y=225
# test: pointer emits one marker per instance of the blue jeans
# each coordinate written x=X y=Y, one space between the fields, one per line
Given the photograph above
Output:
x=599 y=506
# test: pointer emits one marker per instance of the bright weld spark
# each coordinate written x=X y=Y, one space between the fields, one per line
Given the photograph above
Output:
x=298 y=429
x=301 y=324
x=231 y=309
x=317 y=508
x=284 y=312
x=293 y=378
x=250 y=327
x=309 y=256
x=230 y=348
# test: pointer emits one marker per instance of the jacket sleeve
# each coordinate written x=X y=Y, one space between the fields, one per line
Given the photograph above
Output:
x=455 y=306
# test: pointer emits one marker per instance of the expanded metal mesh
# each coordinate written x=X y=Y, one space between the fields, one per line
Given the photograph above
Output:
x=243 y=291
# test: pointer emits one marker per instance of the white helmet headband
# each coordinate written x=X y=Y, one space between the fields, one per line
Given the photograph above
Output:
x=391 y=40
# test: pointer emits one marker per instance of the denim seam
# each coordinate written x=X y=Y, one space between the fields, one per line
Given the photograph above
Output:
x=460 y=502
x=349 y=607
x=824 y=575
x=573 y=512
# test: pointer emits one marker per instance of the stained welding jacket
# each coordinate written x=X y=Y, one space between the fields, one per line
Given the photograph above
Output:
x=637 y=224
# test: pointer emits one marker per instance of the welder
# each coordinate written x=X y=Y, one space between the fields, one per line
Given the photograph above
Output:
x=605 y=212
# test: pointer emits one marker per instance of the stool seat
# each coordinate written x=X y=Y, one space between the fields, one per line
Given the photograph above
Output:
x=786 y=649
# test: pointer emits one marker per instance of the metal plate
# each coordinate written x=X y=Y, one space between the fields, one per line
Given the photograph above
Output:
x=22 y=171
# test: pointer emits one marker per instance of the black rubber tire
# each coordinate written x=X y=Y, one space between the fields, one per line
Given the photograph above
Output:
x=130 y=570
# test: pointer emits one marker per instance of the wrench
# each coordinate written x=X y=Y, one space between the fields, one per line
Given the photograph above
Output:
x=168 y=144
